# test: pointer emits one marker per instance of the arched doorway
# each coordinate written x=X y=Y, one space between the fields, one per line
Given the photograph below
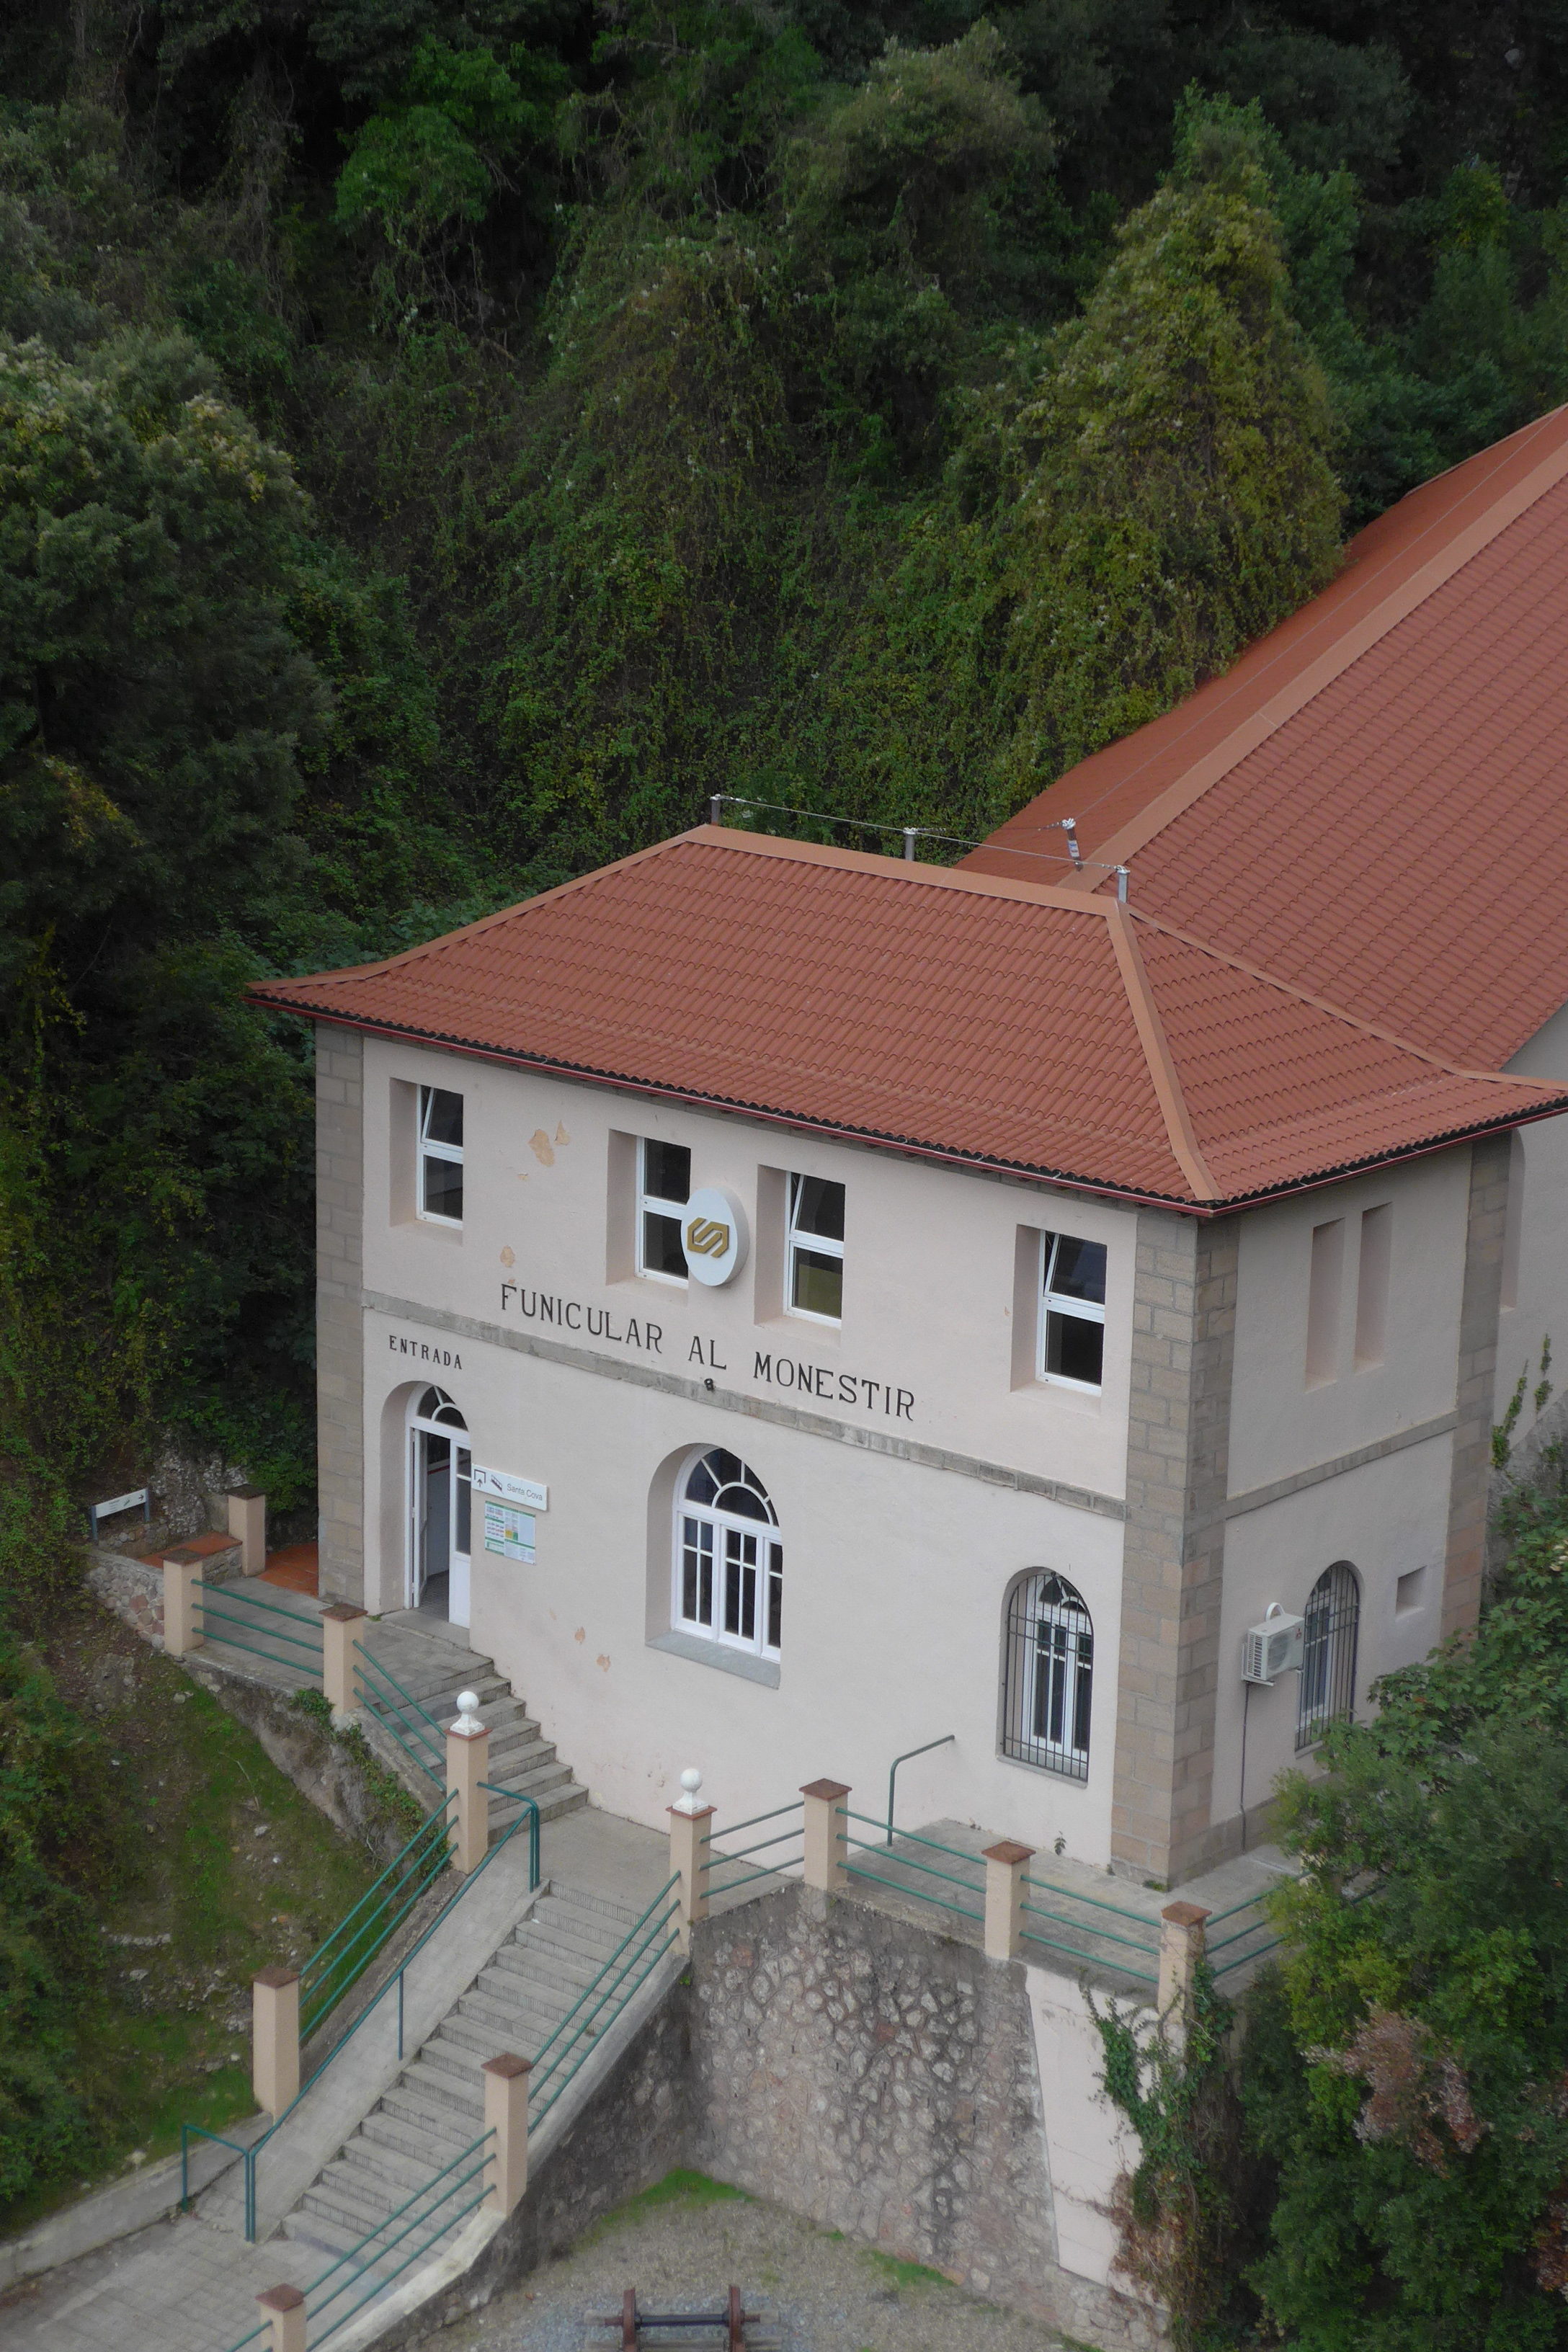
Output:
x=440 y=1492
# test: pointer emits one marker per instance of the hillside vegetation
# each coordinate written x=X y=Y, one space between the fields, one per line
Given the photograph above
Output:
x=439 y=445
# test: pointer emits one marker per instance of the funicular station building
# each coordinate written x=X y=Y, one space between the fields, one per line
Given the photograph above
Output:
x=792 y=1304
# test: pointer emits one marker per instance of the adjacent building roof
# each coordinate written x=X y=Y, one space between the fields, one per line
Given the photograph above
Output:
x=1371 y=804
x=972 y=1018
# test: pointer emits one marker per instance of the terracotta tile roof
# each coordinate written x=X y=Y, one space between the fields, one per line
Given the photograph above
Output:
x=1371 y=804
x=972 y=1019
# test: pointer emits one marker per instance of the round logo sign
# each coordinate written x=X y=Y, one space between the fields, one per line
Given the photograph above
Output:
x=713 y=1236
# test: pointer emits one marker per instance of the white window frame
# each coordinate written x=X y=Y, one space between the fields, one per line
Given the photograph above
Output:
x=1056 y=1302
x=430 y=1149
x=726 y=1529
x=655 y=1204
x=797 y=1237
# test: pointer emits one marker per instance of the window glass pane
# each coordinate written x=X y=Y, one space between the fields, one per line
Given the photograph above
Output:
x=701 y=1486
x=818 y=1206
x=443 y=1116
x=775 y=1594
x=465 y=1499
x=661 y=1250
x=1077 y=1269
x=818 y=1284
x=443 y=1187
x=1074 y=1349
x=667 y=1172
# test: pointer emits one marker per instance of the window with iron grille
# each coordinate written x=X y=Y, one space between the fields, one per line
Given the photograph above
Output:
x=1327 y=1682
x=441 y=1155
x=729 y=1560
x=1047 y=1675
x=1072 y=1312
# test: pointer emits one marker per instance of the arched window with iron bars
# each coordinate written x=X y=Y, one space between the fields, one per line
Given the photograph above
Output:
x=1048 y=1674
x=1327 y=1683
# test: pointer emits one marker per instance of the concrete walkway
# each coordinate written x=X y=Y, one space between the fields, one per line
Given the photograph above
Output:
x=187 y=2285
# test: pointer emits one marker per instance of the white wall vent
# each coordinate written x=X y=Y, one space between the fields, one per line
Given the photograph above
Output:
x=1272 y=1648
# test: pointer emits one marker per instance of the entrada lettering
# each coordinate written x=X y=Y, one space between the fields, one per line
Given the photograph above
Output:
x=833 y=1387
x=448 y=1357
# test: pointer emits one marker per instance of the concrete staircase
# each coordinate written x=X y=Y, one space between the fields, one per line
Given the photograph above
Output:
x=433 y=1668
x=435 y=2108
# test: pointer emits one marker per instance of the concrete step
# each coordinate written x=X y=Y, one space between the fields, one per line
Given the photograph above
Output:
x=399 y=2173
x=436 y=2139
x=519 y=2025
x=338 y=2193
x=515 y=1743
x=555 y=1969
x=553 y=1926
x=425 y=2095
x=603 y=1906
x=464 y=2042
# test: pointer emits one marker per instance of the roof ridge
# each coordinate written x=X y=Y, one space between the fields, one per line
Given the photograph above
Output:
x=1161 y=1061
x=1310 y=681
x=1338 y=1012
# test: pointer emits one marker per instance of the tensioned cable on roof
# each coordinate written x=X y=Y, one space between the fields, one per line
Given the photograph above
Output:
x=914 y=833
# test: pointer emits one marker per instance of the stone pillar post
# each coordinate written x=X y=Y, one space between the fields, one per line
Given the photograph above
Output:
x=688 y=1832
x=467 y=1763
x=282 y=2310
x=340 y=1623
x=506 y=2114
x=1181 y=1949
x=275 y=2039
x=1006 y=1867
x=248 y=1521
x=182 y=1591
x=825 y=1834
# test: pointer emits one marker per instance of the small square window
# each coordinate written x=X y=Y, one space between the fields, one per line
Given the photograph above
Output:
x=663 y=1188
x=441 y=1155
x=1072 y=1312
x=816 y=1248
x=1410 y=1592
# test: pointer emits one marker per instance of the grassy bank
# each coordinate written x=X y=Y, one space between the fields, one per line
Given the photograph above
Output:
x=224 y=1866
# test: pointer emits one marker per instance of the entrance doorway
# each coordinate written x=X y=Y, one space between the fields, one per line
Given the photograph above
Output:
x=440 y=1488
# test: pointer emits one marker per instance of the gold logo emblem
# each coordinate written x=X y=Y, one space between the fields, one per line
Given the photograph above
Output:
x=706 y=1237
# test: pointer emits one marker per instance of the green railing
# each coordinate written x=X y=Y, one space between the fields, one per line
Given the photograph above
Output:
x=338 y=1963
x=1258 y=1926
x=365 y=2263
x=1060 y=1912
x=394 y=1985
x=967 y=1884
x=422 y=1739
x=582 y=2028
x=234 y=1605
x=948 y=1739
x=783 y=1866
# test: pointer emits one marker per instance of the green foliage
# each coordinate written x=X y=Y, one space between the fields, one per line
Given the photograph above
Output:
x=1181 y=2210
x=1405 y=2074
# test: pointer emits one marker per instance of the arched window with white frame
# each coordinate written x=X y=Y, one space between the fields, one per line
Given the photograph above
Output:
x=728 y=1556
x=1048 y=1674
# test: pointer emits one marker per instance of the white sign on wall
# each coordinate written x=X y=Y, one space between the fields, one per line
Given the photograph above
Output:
x=528 y=1492
x=508 y=1531
x=713 y=1236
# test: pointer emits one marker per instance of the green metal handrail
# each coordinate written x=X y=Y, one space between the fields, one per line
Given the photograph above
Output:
x=356 y=2253
x=590 y=2027
x=1104 y=1935
x=947 y=1740
x=1095 y=1901
x=866 y=1845
x=1139 y=1976
x=339 y=1960
x=716 y=1860
x=433 y=1735
x=521 y=1797
x=210 y=1615
x=396 y=1980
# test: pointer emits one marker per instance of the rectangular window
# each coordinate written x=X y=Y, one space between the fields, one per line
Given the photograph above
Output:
x=1371 y=1285
x=664 y=1187
x=1072 y=1312
x=1324 y=1302
x=441 y=1155
x=815 y=1249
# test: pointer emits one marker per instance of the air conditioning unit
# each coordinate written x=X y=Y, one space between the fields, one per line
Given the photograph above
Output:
x=1272 y=1648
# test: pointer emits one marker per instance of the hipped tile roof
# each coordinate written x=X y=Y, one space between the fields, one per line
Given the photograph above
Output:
x=954 y=1016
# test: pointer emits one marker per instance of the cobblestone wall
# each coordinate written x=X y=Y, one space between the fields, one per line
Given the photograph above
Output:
x=882 y=2080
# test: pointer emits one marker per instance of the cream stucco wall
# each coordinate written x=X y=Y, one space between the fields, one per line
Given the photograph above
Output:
x=1535 y=1294
x=929 y=1266
x=896 y=1568
x=1280 y=1424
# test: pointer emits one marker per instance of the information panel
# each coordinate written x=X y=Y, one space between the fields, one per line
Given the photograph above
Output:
x=508 y=1531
